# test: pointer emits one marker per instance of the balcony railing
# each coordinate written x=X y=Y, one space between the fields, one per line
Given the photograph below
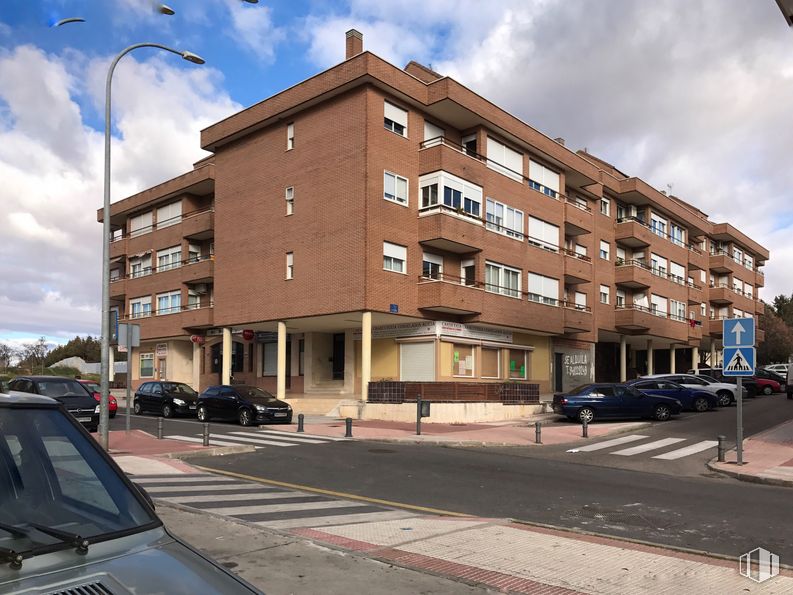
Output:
x=661 y=234
x=658 y=313
x=165 y=311
x=657 y=271
x=144 y=272
x=456 y=211
x=121 y=234
x=574 y=306
x=492 y=288
x=735 y=290
x=574 y=254
x=577 y=204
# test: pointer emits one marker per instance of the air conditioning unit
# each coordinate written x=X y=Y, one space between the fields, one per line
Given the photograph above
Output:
x=200 y=288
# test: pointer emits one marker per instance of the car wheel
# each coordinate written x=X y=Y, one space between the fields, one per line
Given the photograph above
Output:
x=662 y=412
x=201 y=413
x=767 y=390
x=167 y=410
x=136 y=408
x=246 y=418
x=700 y=404
x=586 y=414
x=725 y=398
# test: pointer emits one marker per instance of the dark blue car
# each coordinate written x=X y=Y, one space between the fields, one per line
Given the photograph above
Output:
x=608 y=400
x=691 y=398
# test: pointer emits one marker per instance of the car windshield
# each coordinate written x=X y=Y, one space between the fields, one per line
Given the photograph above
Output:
x=61 y=387
x=709 y=379
x=52 y=476
x=94 y=386
x=254 y=394
x=179 y=388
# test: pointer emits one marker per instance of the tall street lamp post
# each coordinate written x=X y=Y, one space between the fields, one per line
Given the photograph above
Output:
x=104 y=418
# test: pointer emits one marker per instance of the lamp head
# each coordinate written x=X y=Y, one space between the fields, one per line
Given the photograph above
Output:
x=194 y=58
x=165 y=9
x=67 y=21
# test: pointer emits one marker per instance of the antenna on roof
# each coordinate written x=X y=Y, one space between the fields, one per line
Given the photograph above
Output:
x=669 y=187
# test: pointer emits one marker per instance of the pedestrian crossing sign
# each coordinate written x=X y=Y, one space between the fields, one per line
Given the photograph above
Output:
x=739 y=361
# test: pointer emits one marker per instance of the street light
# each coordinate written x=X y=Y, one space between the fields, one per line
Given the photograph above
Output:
x=105 y=365
x=786 y=6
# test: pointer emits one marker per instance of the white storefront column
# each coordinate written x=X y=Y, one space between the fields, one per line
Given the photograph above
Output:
x=623 y=359
x=366 y=354
x=225 y=364
x=196 y=366
x=280 y=391
x=672 y=353
x=650 y=357
x=695 y=359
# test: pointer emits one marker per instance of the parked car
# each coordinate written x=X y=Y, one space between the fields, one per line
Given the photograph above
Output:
x=748 y=382
x=246 y=404
x=72 y=522
x=779 y=369
x=74 y=396
x=789 y=383
x=692 y=399
x=768 y=374
x=112 y=403
x=166 y=398
x=609 y=400
x=725 y=391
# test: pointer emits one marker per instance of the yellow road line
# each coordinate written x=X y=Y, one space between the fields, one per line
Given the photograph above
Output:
x=297 y=486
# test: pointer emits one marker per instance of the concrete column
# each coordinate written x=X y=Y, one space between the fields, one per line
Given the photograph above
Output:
x=672 y=353
x=623 y=359
x=225 y=367
x=308 y=360
x=366 y=354
x=712 y=353
x=650 y=356
x=280 y=391
x=196 y=366
x=695 y=359
x=349 y=362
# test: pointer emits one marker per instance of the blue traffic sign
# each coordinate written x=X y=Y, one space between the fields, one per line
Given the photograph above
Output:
x=738 y=332
x=739 y=361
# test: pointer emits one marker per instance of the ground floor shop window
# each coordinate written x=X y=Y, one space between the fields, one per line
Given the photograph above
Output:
x=517 y=364
x=269 y=359
x=237 y=357
x=491 y=363
x=463 y=360
x=147 y=365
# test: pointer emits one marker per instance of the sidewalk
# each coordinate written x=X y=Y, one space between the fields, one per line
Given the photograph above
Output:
x=768 y=458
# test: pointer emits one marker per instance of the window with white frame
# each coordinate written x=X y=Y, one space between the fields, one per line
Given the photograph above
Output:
x=604 y=294
x=502 y=279
x=620 y=298
x=395 y=188
x=677 y=234
x=543 y=289
x=289 y=196
x=443 y=188
x=462 y=360
x=580 y=300
x=170 y=214
x=169 y=258
x=432 y=266
x=658 y=225
x=169 y=302
x=504 y=160
x=747 y=290
x=140 y=224
x=703 y=277
x=518 y=366
x=640 y=300
x=543 y=234
x=140 y=266
x=678 y=309
x=703 y=309
x=605 y=206
x=748 y=261
x=621 y=255
x=658 y=264
x=290 y=265
x=504 y=219
x=737 y=313
x=737 y=255
x=580 y=250
x=678 y=272
x=193 y=299
x=658 y=305
x=468 y=272
x=140 y=307
x=147 y=365
x=193 y=253
x=605 y=249
x=433 y=135
x=290 y=136
x=395 y=119
x=469 y=145
x=543 y=179
x=737 y=285
x=394 y=257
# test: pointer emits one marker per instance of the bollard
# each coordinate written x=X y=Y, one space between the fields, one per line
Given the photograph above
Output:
x=721 y=448
x=300 y=419
x=159 y=428
x=348 y=424
x=538 y=432
x=584 y=429
x=206 y=434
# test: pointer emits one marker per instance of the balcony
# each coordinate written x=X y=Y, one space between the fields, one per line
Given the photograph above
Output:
x=639 y=320
x=759 y=308
x=443 y=228
x=442 y=154
x=697 y=258
x=449 y=294
x=696 y=295
x=759 y=278
x=577 y=319
x=197 y=318
x=577 y=268
x=722 y=262
x=720 y=294
x=635 y=274
x=577 y=218
x=199 y=225
x=633 y=232
x=198 y=270
x=118 y=288
x=716 y=326
x=695 y=333
x=759 y=336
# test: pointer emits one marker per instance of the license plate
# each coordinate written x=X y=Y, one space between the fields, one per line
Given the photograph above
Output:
x=192 y=406
x=84 y=419
x=279 y=414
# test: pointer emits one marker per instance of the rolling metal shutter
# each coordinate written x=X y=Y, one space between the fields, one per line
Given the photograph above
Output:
x=417 y=361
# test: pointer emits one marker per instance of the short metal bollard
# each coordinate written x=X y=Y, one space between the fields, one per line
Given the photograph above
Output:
x=348 y=429
x=721 y=448
x=159 y=428
x=584 y=429
x=206 y=434
x=300 y=418
x=538 y=432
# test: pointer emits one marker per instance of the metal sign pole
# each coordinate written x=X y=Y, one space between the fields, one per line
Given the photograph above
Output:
x=127 y=416
x=739 y=432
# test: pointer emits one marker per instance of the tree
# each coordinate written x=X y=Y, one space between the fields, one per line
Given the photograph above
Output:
x=783 y=306
x=778 y=344
x=33 y=355
x=7 y=353
x=87 y=348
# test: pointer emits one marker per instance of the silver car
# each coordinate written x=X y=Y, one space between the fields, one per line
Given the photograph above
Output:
x=72 y=522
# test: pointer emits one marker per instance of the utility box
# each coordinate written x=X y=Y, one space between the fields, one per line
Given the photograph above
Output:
x=425 y=408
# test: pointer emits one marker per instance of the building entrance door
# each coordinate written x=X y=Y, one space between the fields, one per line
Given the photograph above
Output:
x=161 y=371
x=557 y=372
x=338 y=356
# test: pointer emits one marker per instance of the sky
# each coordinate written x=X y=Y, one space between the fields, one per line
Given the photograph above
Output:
x=695 y=96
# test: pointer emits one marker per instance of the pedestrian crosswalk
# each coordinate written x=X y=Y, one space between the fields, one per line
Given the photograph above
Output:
x=255 y=438
x=259 y=504
x=650 y=448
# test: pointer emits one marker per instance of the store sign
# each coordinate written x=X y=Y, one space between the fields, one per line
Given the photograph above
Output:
x=469 y=331
x=409 y=329
x=437 y=328
x=266 y=337
x=161 y=350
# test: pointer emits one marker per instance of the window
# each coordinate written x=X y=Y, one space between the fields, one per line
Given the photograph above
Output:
x=504 y=160
x=462 y=360
x=620 y=297
x=395 y=188
x=458 y=194
x=677 y=272
x=395 y=119
x=748 y=261
x=658 y=264
x=469 y=144
x=640 y=300
x=170 y=214
x=604 y=294
x=491 y=363
x=678 y=309
x=737 y=285
x=737 y=313
x=394 y=257
x=502 y=279
x=504 y=219
x=703 y=309
x=542 y=234
x=677 y=234
x=290 y=265
x=658 y=305
x=737 y=255
x=747 y=290
x=290 y=136
x=140 y=224
x=543 y=179
x=658 y=225
x=604 y=250
x=169 y=258
x=543 y=289
x=193 y=253
x=433 y=133
x=289 y=196
x=468 y=272
x=147 y=365
x=517 y=364
x=193 y=299
x=432 y=266
x=605 y=206
x=269 y=359
x=140 y=266
x=580 y=300
x=169 y=303
x=580 y=250
x=140 y=307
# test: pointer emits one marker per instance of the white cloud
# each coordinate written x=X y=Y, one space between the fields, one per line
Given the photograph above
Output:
x=254 y=27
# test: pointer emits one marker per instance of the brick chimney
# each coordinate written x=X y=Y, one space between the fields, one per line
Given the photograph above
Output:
x=354 y=43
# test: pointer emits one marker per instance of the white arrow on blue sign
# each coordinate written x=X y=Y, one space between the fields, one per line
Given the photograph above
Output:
x=739 y=332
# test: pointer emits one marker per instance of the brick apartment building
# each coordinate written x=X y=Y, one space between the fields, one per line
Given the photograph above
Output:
x=374 y=223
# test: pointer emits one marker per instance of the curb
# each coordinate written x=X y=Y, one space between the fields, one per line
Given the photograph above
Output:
x=749 y=478
x=215 y=451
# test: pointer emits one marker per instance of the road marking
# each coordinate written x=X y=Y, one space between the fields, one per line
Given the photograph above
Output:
x=255 y=440
x=239 y=511
x=649 y=446
x=179 y=479
x=231 y=497
x=284 y=437
x=212 y=442
x=305 y=488
x=338 y=519
x=610 y=443
x=207 y=489
x=688 y=450
x=302 y=435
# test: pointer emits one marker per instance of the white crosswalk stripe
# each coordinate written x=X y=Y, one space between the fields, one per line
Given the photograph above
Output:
x=610 y=443
x=257 y=438
x=260 y=504
x=212 y=442
x=648 y=447
x=688 y=450
x=634 y=450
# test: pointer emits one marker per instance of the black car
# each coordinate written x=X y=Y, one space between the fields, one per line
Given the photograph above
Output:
x=603 y=400
x=165 y=398
x=77 y=399
x=246 y=404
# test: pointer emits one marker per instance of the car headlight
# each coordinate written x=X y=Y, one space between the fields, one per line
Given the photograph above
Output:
x=261 y=408
x=289 y=408
x=179 y=402
x=96 y=409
